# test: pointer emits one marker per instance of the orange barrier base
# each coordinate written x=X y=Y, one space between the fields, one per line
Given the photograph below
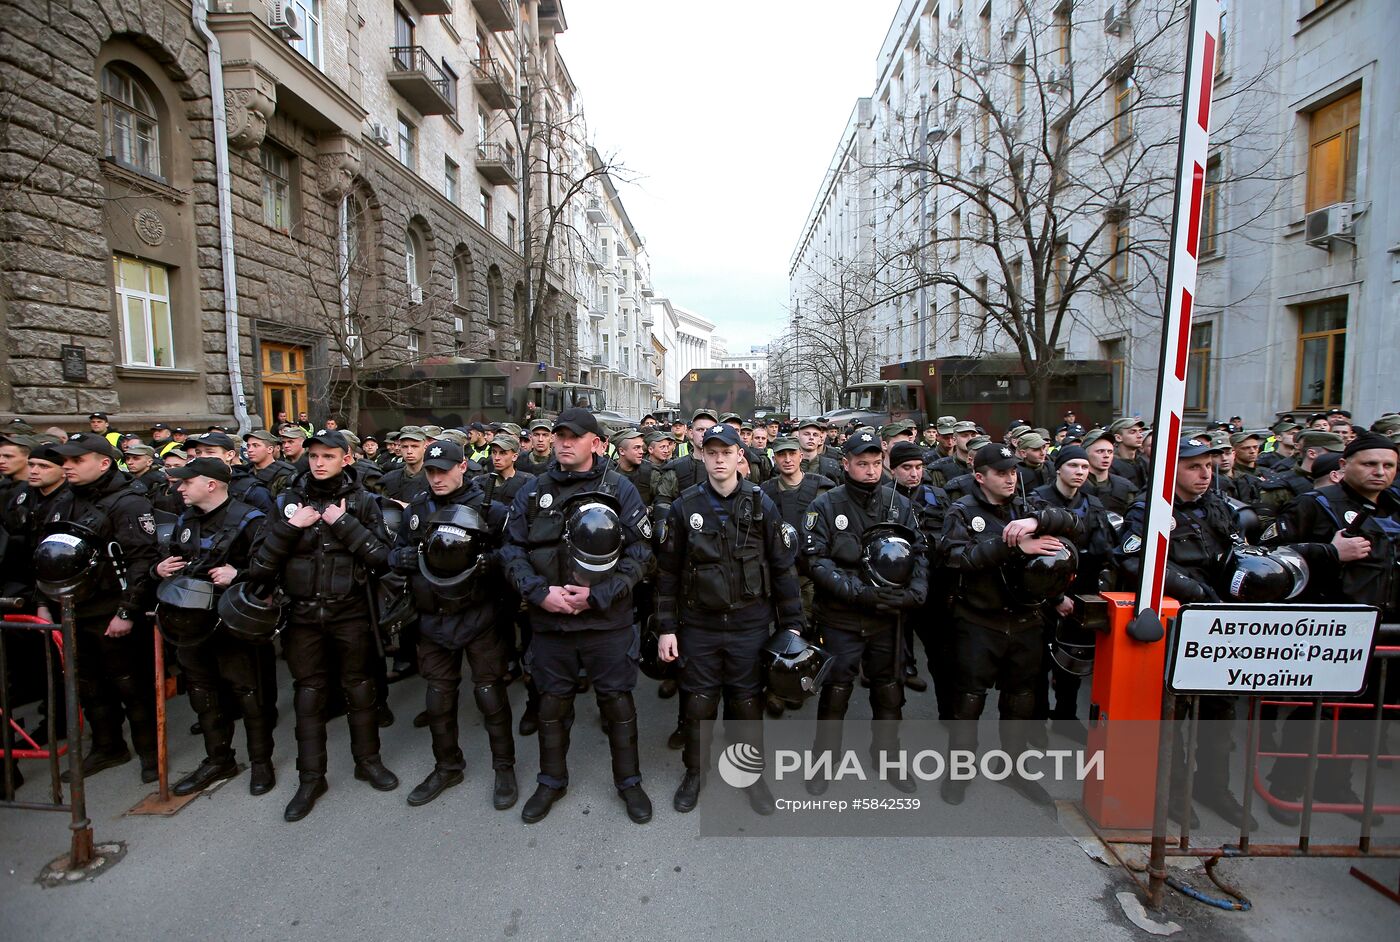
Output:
x=1128 y=681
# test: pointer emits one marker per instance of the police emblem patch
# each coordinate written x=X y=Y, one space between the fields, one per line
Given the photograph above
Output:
x=841 y=522
x=1173 y=524
x=148 y=523
x=811 y=520
x=978 y=524
x=434 y=452
x=1349 y=516
x=696 y=521
x=20 y=498
x=788 y=533
x=413 y=522
x=1270 y=532
x=1132 y=544
x=645 y=527
x=290 y=511
x=546 y=500
x=185 y=535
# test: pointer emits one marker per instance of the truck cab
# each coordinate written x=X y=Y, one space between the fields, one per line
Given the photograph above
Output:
x=880 y=403
x=550 y=399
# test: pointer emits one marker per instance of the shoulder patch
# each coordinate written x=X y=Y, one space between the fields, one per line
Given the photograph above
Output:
x=148 y=523
x=978 y=524
x=645 y=527
x=1132 y=544
x=841 y=522
x=811 y=520
x=696 y=521
x=788 y=535
x=290 y=511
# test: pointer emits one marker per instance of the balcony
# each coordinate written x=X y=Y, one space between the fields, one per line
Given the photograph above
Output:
x=496 y=162
x=433 y=7
x=647 y=318
x=420 y=80
x=492 y=84
x=496 y=15
x=597 y=312
x=595 y=212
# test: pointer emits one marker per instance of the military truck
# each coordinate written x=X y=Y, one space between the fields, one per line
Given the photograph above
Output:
x=727 y=390
x=548 y=399
x=451 y=392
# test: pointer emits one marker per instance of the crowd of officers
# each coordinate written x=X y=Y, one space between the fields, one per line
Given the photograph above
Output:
x=564 y=557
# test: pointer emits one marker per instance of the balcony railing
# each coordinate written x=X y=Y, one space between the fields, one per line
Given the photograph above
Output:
x=595 y=212
x=420 y=80
x=492 y=84
x=496 y=162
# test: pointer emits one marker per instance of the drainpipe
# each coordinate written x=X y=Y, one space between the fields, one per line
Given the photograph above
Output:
x=199 y=15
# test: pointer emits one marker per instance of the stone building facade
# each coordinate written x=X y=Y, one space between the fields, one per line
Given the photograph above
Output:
x=373 y=199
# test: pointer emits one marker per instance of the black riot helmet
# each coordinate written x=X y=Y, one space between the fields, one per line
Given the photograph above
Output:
x=887 y=555
x=251 y=612
x=1255 y=574
x=392 y=513
x=1073 y=646
x=65 y=562
x=592 y=537
x=185 y=610
x=452 y=549
x=165 y=530
x=1034 y=580
x=651 y=663
x=796 y=668
x=1246 y=519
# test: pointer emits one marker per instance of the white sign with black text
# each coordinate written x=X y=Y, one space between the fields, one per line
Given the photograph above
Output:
x=1307 y=650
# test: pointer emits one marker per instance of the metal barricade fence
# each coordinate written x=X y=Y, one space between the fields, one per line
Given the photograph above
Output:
x=1336 y=747
x=65 y=637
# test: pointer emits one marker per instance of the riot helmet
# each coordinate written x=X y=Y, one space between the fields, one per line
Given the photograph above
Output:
x=592 y=538
x=1034 y=580
x=250 y=612
x=185 y=609
x=1255 y=574
x=887 y=556
x=1073 y=646
x=796 y=668
x=65 y=562
x=1246 y=519
x=453 y=546
x=651 y=663
x=165 y=531
x=392 y=513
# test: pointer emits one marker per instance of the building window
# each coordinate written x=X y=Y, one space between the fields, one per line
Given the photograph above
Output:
x=407 y=143
x=461 y=278
x=956 y=247
x=1114 y=351
x=510 y=229
x=1118 y=246
x=984 y=32
x=1198 y=367
x=1124 y=93
x=130 y=122
x=450 y=176
x=415 y=342
x=413 y=259
x=955 y=310
x=450 y=86
x=1210 y=209
x=1333 y=134
x=1223 y=42
x=276 y=187
x=1322 y=338
x=482 y=122
x=143 y=301
x=1063 y=33
x=485 y=207
x=309 y=45
x=403 y=27
x=1018 y=84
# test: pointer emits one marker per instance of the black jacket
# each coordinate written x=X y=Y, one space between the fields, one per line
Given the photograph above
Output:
x=1314 y=518
x=400 y=485
x=832 y=534
x=116 y=509
x=1097 y=536
x=972 y=533
x=1116 y=493
x=225 y=535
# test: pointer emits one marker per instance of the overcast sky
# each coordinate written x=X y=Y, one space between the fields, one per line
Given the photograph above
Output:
x=729 y=113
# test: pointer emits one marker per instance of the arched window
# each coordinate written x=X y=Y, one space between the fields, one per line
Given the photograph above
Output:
x=462 y=276
x=413 y=255
x=129 y=122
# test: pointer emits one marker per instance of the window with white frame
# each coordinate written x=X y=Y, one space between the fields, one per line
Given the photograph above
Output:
x=407 y=143
x=415 y=342
x=450 y=176
x=143 y=305
x=276 y=186
x=309 y=45
x=412 y=252
x=130 y=122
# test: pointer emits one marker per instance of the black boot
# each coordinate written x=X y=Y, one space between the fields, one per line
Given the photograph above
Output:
x=620 y=714
x=530 y=719
x=108 y=747
x=700 y=711
x=1017 y=727
x=962 y=736
x=138 y=695
x=312 y=787
x=831 y=711
x=257 y=731
x=219 y=763
x=775 y=705
x=209 y=772
x=360 y=702
x=556 y=718
x=494 y=704
x=744 y=723
x=437 y=782
x=886 y=710
x=688 y=792
x=261 y=778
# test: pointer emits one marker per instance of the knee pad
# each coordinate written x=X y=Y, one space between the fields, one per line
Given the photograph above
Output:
x=555 y=709
x=1019 y=705
x=491 y=699
x=251 y=704
x=617 y=707
x=887 y=694
x=700 y=706
x=745 y=708
x=836 y=696
x=361 y=696
x=440 y=701
x=204 y=700
x=308 y=701
x=969 y=706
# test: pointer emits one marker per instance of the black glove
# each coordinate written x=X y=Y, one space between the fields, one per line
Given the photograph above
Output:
x=891 y=600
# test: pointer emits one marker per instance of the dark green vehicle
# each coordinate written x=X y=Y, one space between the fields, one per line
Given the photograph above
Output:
x=728 y=390
x=453 y=392
x=551 y=398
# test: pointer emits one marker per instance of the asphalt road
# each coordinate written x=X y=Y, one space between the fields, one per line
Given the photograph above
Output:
x=366 y=866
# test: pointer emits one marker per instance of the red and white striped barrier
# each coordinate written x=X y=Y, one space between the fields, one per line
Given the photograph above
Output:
x=1203 y=34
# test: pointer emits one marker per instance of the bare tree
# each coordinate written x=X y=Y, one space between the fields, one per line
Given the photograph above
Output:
x=1037 y=190
x=829 y=345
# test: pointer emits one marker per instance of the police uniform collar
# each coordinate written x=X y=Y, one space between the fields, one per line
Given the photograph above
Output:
x=558 y=473
x=108 y=483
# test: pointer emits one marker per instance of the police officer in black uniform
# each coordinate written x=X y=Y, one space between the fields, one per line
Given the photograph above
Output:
x=683 y=472
x=858 y=621
x=243 y=486
x=321 y=549
x=158 y=488
x=997 y=638
x=214 y=539
x=575 y=624
x=115 y=668
x=930 y=505
x=726 y=573
x=457 y=612
x=1350 y=533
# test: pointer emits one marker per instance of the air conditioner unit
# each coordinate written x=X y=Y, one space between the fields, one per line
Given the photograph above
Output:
x=1331 y=222
x=415 y=294
x=1115 y=17
x=950 y=110
x=285 y=21
x=379 y=133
